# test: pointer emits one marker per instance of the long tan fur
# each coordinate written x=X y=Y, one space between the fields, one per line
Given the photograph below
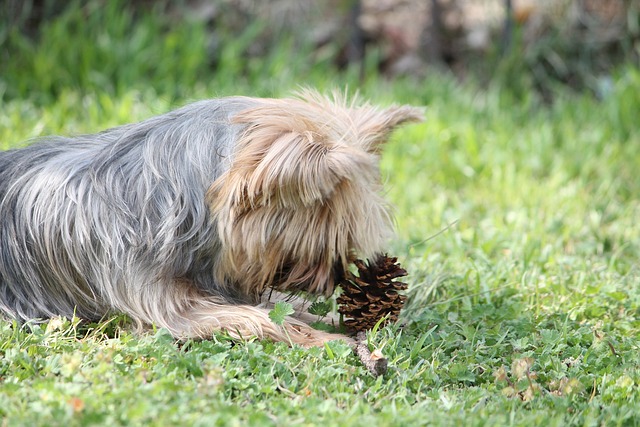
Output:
x=304 y=183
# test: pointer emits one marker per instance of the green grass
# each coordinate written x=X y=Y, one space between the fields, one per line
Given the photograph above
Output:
x=517 y=222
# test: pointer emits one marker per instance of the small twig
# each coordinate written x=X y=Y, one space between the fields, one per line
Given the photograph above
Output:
x=475 y=294
x=433 y=236
x=593 y=392
x=528 y=374
x=374 y=361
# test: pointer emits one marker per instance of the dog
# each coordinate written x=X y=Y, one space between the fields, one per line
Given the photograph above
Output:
x=189 y=219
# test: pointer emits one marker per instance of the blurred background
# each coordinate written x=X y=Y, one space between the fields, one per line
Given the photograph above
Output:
x=260 y=46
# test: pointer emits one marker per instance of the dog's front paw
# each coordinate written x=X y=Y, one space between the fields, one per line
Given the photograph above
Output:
x=306 y=336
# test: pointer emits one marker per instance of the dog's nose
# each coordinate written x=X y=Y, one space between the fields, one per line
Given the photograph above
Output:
x=338 y=271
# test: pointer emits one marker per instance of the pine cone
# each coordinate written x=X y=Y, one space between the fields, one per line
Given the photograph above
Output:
x=372 y=294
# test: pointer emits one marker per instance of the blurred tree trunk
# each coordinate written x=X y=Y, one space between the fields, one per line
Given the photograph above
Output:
x=433 y=34
x=507 y=31
x=356 y=42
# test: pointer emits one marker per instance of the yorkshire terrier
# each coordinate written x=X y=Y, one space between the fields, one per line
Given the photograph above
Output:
x=188 y=219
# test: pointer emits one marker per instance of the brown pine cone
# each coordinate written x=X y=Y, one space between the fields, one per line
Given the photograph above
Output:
x=372 y=294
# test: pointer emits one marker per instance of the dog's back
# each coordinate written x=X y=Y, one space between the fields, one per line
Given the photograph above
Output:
x=74 y=211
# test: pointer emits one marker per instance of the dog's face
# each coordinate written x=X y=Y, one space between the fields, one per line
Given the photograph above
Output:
x=302 y=195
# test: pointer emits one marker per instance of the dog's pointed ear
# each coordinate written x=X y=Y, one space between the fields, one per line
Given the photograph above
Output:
x=285 y=161
x=374 y=126
x=302 y=169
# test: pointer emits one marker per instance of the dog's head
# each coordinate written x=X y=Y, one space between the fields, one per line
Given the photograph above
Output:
x=302 y=195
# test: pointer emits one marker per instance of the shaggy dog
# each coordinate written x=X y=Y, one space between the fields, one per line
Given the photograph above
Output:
x=187 y=219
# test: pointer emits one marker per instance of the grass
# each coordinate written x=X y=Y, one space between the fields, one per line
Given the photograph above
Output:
x=517 y=222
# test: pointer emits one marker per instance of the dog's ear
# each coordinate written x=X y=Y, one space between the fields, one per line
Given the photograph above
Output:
x=374 y=126
x=286 y=161
x=300 y=169
x=352 y=121
x=295 y=152
x=361 y=124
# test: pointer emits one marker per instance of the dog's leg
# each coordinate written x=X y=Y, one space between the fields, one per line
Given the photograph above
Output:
x=300 y=306
x=189 y=313
x=244 y=321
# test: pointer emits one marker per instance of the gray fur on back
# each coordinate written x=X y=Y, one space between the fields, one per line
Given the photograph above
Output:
x=113 y=213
